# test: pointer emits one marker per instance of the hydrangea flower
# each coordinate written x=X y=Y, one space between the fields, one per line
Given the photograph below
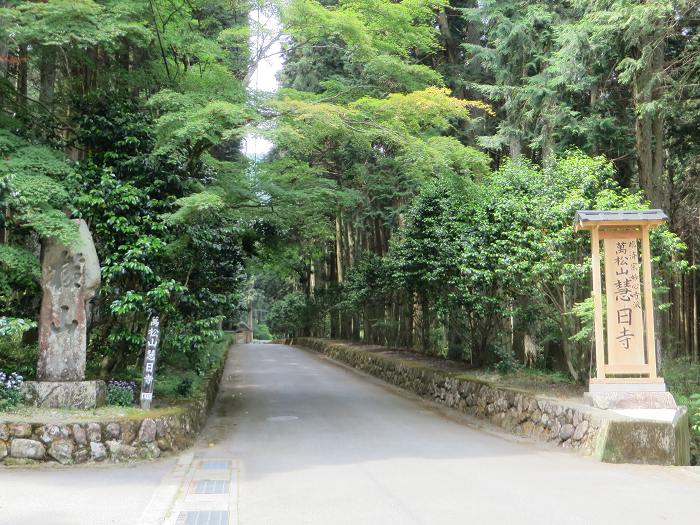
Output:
x=121 y=392
x=10 y=385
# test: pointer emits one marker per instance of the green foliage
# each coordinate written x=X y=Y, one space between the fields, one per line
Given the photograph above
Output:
x=374 y=216
x=506 y=361
x=141 y=94
x=470 y=248
x=683 y=379
x=170 y=383
x=681 y=375
x=19 y=277
x=261 y=332
x=33 y=205
x=184 y=387
x=367 y=27
x=33 y=195
x=693 y=404
x=15 y=355
x=10 y=327
x=294 y=314
x=176 y=379
x=193 y=129
x=76 y=24
x=585 y=313
x=161 y=249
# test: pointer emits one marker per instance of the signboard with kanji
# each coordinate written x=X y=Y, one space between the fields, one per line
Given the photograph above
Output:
x=625 y=342
x=149 y=362
x=624 y=302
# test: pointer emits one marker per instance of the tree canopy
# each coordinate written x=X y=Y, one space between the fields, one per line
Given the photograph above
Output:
x=426 y=160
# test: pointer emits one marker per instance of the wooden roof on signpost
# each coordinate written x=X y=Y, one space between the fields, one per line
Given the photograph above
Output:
x=589 y=219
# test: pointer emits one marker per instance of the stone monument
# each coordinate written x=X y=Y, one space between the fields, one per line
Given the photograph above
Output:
x=70 y=276
x=625 y=342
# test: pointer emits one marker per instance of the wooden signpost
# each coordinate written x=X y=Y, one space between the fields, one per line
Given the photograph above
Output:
x=628 y=360
x=149 y=362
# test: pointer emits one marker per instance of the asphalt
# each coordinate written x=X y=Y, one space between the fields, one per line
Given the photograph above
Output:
x=311 y=442
x=91 y=495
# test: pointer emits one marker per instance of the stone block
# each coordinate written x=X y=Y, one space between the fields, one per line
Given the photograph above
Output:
x=79 y=435
x=581 y=430
x=129 y=431
x=630 y=400
x=3 y=450
x=66 y=394
x=149 y=451
x=62 y=451
x=112 y=430
x=164 y=444
x=566 y=432
x=94 y=432
x=49 y=433
x=536 y=416
x=626 y=440
x=147 y=432
x=20 y=430
x=98 y=452
x=119 y=451
x=27 y=448
x=81 y=456
x=4 y=432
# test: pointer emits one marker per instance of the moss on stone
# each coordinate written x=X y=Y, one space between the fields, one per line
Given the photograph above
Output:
x=66 y=416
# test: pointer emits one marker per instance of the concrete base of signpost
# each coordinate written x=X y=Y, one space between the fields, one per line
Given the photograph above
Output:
x=65 y=394
x=626 y=396
x=653 y=436
x=630 y=400
x=650 y=416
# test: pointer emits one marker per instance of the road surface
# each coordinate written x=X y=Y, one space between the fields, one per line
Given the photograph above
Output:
x=295 y=439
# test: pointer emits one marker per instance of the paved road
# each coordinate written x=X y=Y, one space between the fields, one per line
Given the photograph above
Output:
x=304 y=441
x=94 y=495
x=319 y=444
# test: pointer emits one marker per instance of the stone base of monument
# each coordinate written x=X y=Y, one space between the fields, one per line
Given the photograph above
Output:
x=652 y=436
x=629 y=396
x=65 y=394
x=645 y=424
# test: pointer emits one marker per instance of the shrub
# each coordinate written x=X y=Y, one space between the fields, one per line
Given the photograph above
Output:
x=693 y=404
x=506 y=361
x=121 y=393
x=293 y=315
x=10 y=395
x=184 y=387
x=16 y=355
x=262 y=332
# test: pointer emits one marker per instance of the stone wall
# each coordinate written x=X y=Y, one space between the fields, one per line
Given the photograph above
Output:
x=566 y=423
x=116 y=441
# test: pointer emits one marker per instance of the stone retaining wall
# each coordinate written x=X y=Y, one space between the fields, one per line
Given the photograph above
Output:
x=116 y=441
x=564 y=422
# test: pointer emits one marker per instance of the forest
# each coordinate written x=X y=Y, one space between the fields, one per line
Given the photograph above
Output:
x=426 y=161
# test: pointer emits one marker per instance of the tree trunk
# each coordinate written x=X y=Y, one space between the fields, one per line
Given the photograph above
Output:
x=452 y=44
x=22 y=75
x=566 y=350
x=649 y=133
x=516 y=148
x=4 y=54
x=338 y=248
x=47 y=79
x=454 y=340
x=547 y=138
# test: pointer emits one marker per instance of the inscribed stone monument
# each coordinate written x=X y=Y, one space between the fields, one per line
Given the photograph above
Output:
x=70 y=277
